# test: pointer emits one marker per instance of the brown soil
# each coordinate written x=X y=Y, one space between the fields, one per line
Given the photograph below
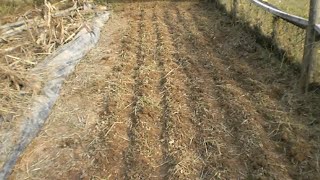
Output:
x=175 y=90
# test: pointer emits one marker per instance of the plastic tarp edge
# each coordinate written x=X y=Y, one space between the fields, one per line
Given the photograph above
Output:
x=58 y=66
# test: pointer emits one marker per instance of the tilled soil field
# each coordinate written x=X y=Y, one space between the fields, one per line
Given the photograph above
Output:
x=175 y=90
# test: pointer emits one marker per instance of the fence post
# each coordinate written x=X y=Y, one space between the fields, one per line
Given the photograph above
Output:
x=309 y=54
x=234 y=10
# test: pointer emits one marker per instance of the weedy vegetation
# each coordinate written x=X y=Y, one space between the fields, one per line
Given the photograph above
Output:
x=299 y=8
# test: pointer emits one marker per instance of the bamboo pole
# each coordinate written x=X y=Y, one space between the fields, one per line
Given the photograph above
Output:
x=309 y=55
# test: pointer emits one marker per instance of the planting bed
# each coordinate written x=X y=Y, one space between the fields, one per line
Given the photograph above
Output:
x=176 y=90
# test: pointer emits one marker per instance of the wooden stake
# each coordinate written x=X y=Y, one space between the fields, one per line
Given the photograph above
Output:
x=234 y=10
x=309 y=54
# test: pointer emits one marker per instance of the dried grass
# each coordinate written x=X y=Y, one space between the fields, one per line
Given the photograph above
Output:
x=37 y=33
x=250 y=129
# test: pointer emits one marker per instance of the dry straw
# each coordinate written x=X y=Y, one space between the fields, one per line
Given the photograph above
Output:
x=26 y=42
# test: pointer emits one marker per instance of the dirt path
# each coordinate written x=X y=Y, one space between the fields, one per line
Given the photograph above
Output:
x=174 y=90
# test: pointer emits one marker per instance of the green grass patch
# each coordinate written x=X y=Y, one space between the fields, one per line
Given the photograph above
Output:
x=296 y=7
